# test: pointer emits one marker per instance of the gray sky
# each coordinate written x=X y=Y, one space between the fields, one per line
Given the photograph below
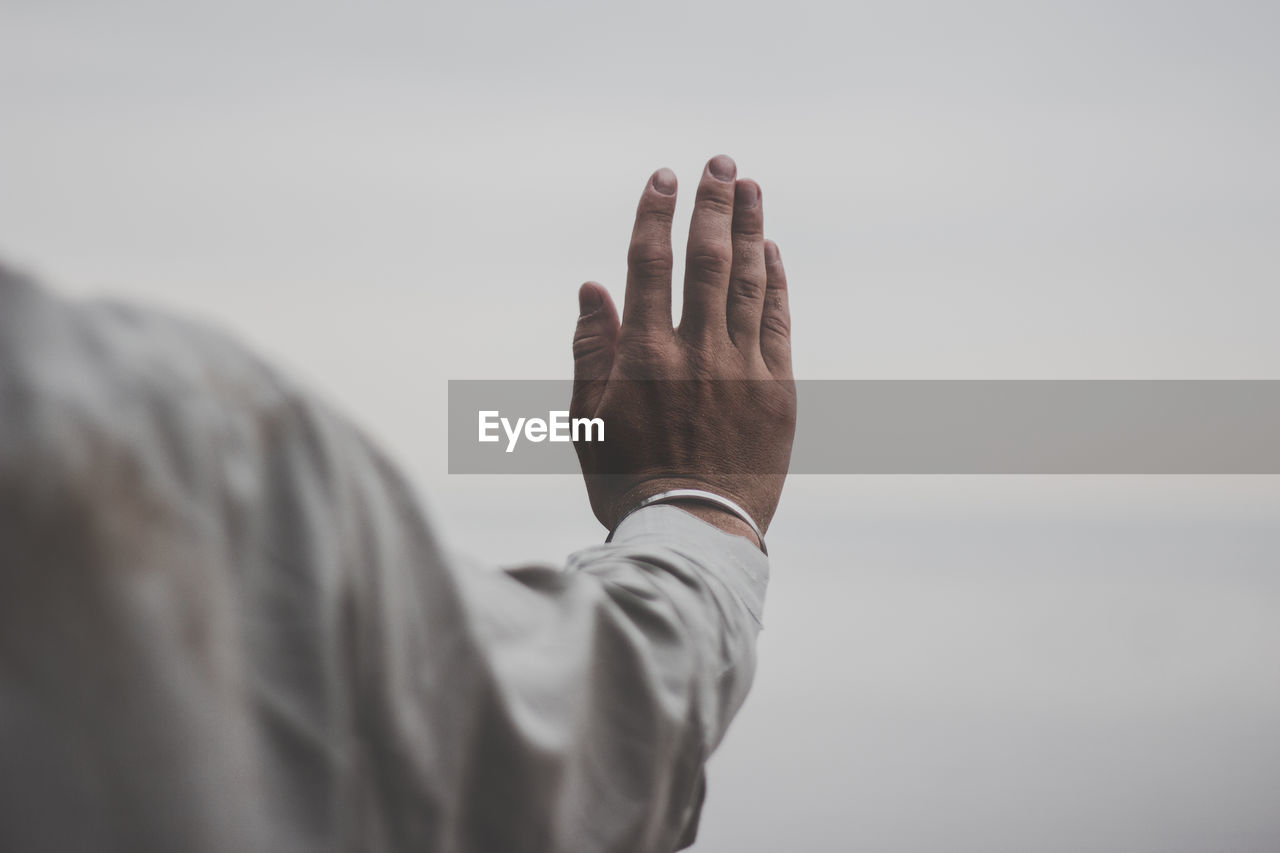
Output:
x=387 y=196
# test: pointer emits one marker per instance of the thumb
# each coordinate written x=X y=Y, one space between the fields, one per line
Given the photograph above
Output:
x=594 y=342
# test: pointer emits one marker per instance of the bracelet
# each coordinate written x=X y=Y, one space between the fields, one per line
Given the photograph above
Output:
x=695 y=495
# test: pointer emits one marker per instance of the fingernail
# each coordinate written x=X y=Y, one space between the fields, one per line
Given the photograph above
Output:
x=664 y=181
x=748 y=194
x=722 y=168
x=771 y=252
x=588 y=300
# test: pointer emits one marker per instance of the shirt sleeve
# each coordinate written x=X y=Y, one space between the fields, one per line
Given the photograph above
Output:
x=619 y=675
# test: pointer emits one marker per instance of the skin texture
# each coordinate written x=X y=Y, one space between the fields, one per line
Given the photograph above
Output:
x=709 y=404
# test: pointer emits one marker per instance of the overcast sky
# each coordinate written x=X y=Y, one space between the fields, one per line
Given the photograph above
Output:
x=384 y=196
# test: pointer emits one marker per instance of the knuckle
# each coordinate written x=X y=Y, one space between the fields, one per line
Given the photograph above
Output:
x=701 y=355
x=648 y=346
x=746 y=289
x=648 y=356
x=649 y=261
x=713 y=199
x=711 y=259
x=589 y=343
x=775 y=323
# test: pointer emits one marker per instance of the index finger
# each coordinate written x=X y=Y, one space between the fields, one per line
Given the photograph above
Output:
x=647 y=303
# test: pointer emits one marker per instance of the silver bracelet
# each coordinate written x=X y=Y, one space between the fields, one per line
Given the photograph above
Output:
x=695 y=495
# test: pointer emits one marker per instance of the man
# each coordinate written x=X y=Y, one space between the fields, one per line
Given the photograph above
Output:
x=226 y=625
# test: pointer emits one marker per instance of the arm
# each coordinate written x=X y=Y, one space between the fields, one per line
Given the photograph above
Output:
x=226 y=623
x=620 y=677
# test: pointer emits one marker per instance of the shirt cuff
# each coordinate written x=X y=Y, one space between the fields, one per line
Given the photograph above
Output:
x=731 y=559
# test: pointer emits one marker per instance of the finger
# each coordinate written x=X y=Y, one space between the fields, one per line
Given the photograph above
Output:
x=709 y=260
x=594 y=343
x=775 y=322
x=748 y=279
x=647 y=305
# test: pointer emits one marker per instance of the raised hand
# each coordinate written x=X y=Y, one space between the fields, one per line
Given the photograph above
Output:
x=710 y=404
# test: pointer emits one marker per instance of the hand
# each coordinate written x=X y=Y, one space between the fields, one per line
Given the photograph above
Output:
x=709 y=405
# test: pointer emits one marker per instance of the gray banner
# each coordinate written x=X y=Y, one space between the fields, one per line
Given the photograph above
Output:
x=928 y=427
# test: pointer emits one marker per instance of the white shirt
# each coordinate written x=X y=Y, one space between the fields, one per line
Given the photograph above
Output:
x=225 y=625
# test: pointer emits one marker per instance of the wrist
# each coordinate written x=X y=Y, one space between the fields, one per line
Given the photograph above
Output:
x=642 y=490
x=726 y=514
x=719 y=518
